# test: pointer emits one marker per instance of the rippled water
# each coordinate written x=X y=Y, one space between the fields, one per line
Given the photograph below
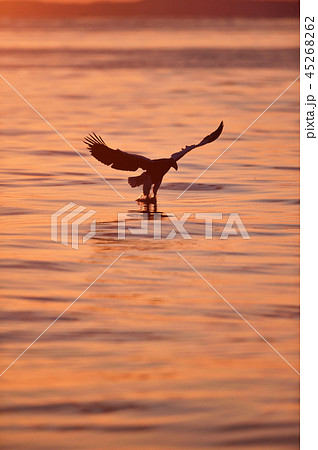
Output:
x=150 y=356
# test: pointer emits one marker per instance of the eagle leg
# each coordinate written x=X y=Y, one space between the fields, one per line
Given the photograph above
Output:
x=147 y=186
x=156 y=187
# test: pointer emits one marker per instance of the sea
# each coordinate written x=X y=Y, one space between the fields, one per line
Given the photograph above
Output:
x=183 y=342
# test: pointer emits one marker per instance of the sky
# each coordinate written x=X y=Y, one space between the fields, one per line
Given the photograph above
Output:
x=119 y=1
x=211 y=8
x=86 y=1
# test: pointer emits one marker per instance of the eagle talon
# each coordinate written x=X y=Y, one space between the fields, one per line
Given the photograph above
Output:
x=145 y=199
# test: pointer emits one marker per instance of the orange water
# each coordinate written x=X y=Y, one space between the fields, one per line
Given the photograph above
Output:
x=150 y=357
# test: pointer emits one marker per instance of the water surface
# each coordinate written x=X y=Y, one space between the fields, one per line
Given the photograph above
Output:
x=150 y=356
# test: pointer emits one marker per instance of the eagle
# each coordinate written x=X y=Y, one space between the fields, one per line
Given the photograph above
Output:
x=154 y=169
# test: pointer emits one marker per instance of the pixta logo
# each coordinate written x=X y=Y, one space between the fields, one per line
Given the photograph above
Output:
x=233 y=226
x=66 y=223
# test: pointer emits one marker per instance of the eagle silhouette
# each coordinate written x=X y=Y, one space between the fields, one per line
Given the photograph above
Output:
x=154 y=169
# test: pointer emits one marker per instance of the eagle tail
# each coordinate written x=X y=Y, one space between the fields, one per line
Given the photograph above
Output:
x=137 y=181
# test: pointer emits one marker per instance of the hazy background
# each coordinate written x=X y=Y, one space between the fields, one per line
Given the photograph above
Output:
x=150 y=357
x=150 y=8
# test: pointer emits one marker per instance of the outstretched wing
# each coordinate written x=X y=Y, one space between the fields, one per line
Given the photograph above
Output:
x=210 y=138
x=117 y=159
